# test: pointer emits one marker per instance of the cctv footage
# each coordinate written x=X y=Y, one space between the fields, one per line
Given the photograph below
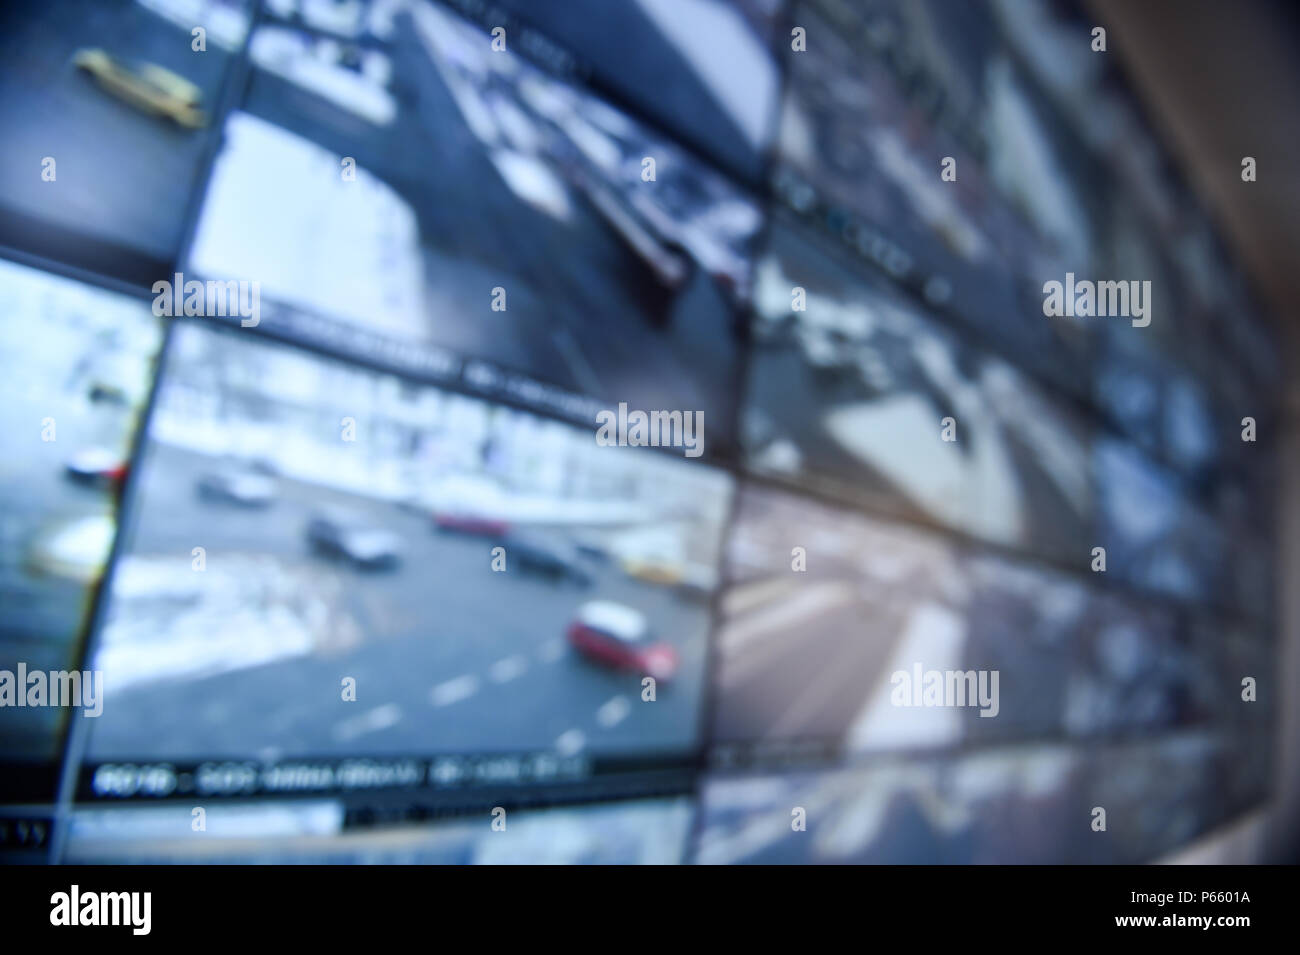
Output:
x=859 y=152
x=845 y=373
x=992 y=807
x=397 y=571
x=833 y=623
x=635 y=832
x=84 y=364
x=113 y=103
x=463 y=214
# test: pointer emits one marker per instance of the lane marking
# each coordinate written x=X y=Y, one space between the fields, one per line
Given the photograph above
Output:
x=381 y=717
x=936 y=635
x=613 y=712
x=453 y=691
x=570 y=742
x=503 y=671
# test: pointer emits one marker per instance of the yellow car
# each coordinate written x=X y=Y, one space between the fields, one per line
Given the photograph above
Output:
x=146 y=86
x=653 y=570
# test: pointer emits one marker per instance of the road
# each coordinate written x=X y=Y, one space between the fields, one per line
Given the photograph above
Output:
x=448 y=655
x=802 y=666
x=1009 y=495
x=631 y=55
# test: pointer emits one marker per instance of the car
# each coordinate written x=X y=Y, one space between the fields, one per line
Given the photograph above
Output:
x=411 y=504
x=349 y=537
x=654 y=569
x=96 y=466
x=592 y=549
x=557 y=559
x=101 y=392
x=467 y=522
x=75 y=549
x=264 y=466
x=245 y=488
x=828 y=351
x=146 y=86
x=114 y=377
x=617 y=636
x=420 y=503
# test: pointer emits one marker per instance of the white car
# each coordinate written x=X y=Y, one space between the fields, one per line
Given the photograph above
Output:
x=343 y=535
x=245 y=488
x=98 y=466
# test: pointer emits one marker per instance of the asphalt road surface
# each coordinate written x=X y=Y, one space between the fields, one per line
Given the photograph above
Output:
x=803 y=665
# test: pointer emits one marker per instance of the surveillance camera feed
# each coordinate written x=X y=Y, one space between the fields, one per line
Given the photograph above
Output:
x=639 y=420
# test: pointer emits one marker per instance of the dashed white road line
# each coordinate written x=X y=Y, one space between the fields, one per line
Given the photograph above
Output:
x=613 y=712
x=453 y=691
x=503 y=671
x=570 y=742
x=381 y=717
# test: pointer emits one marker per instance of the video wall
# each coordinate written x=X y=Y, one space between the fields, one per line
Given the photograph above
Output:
x=352 y=577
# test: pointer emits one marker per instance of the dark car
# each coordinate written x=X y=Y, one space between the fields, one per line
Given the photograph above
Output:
x=350 y=538
x=557 y=559
x=107 y=393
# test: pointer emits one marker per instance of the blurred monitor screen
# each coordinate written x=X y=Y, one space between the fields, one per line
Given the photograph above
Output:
x=314 y=569
x=79 y=366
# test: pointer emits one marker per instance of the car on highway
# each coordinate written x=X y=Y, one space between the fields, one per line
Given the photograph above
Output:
x=245 y=488
x=550 y=557
x=350 y=537
x=101 y=392
x=617 y=636
x=415 y=503
x=654 y=569
x=146 y=86
x=469 y=522
x=99 y=467
x=592 y=548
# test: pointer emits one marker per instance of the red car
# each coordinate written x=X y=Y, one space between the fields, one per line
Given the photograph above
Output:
x=466 y=523
x=619 y=637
